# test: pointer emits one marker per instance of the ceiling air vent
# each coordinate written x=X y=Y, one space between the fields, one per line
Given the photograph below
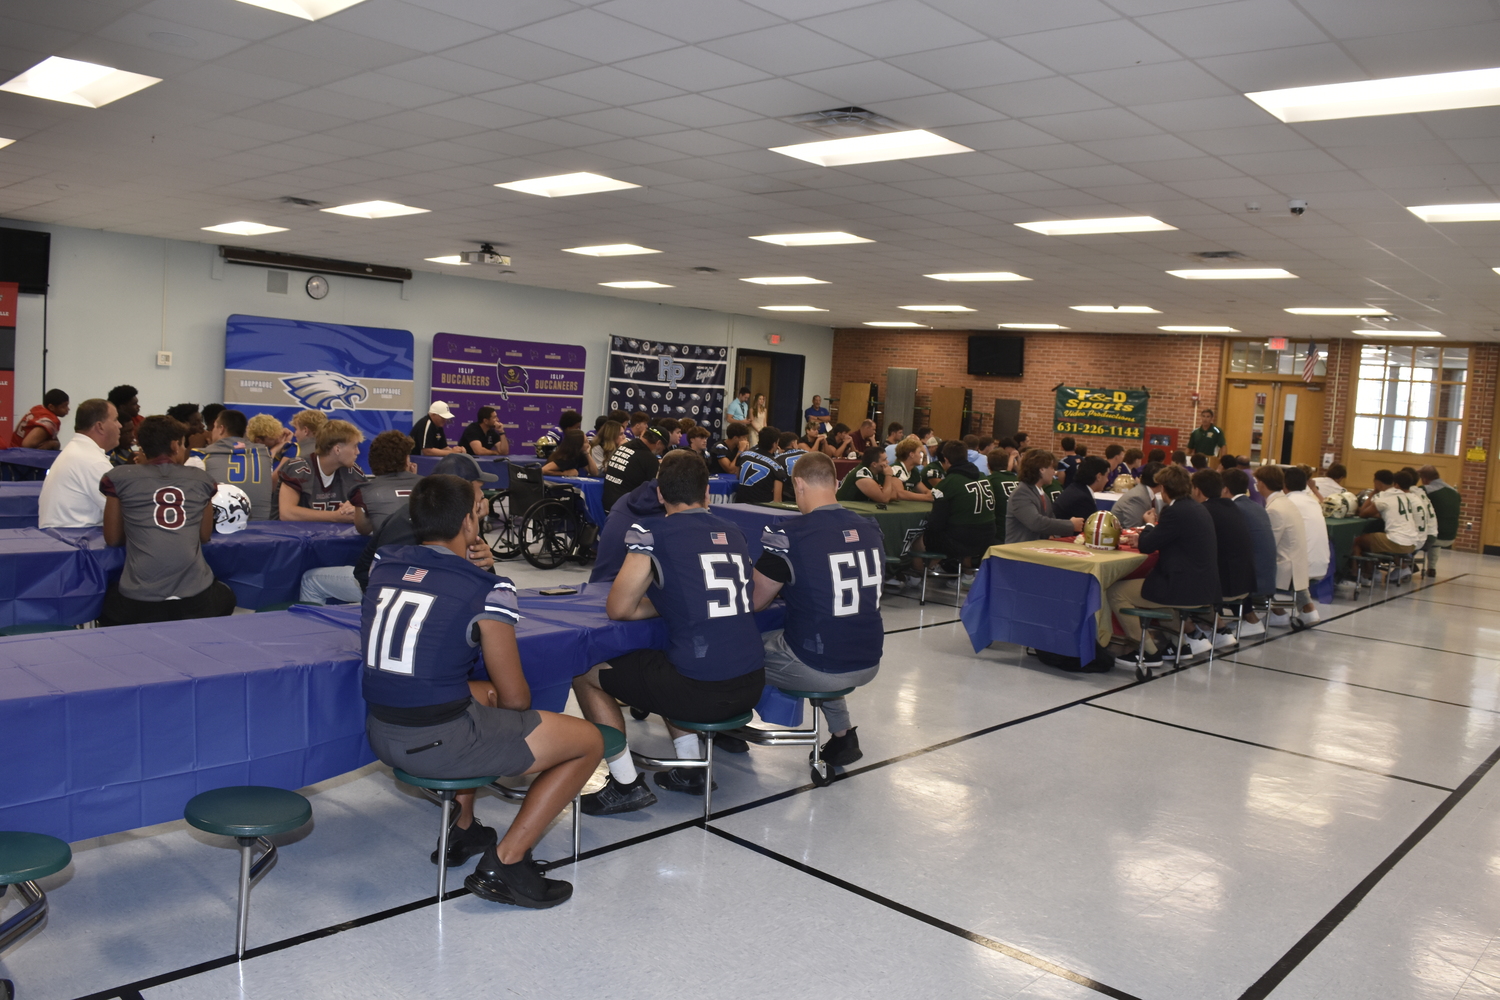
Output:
x=304 y=202
x=841 y=123
x=1218 y=255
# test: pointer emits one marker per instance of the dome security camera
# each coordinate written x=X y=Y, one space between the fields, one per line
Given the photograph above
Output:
x=1297 y=206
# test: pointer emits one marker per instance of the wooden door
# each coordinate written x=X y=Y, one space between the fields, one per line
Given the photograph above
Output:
x=754 y=371
x=947 y=412
x=1243 y=418
x=853 y=404
x=1298 y=425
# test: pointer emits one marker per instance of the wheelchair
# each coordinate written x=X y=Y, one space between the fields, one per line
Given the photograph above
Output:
x=545 y=524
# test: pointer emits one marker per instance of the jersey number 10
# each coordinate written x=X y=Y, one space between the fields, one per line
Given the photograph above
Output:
x=399 y=615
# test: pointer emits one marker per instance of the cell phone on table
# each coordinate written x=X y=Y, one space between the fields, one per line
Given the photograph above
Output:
x=557 y=591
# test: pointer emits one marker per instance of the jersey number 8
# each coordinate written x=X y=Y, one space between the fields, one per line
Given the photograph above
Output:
x=169 y=512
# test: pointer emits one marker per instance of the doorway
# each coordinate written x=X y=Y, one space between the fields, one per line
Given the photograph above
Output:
x=1277 y=423
x=756 y=371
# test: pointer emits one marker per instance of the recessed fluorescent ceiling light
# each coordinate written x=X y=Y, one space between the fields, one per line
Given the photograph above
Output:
x=635 y=284
x=86 y=84
x=375 y=210
x=567 y=185
x=811 y=239
x=1198 y=329
x=1031 y=326
x=979 y=276
x=1083 y=227
x=937 y=309
x=1475 y=88
x=1336 y=311
x=1484 y=212
x=1114 y=309
x=1232 y=273
x=903 y=325
x=243 y=228
x=1395 y=333
x=5 y=142
x=310 y=10
x=452 y=258
x=872 y=148
x=792 y=280
x=794 y=309
x=609 y=250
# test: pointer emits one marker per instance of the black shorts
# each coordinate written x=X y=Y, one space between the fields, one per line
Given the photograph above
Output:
x=645 y=679
x=215 y=602
x=480 y=743
x=962 y=540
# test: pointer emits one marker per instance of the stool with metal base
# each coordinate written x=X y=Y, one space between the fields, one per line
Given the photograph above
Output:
x=249 y=814
x=938 y=557
x=799 y=737
x=24 y=858
x=1143 y=672
x=444 y=789
x=705 y=731
x=614 y=745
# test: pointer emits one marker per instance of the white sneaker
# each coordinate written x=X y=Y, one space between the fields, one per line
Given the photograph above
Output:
x=967 y=579
x=1403 y=577
x=1224 y=640
x=1308 y=617
x=1251 y=629
x=1198 y=644
x=1279 y=620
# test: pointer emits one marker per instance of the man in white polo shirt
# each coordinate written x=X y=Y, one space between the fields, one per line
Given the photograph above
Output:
x=70 y=495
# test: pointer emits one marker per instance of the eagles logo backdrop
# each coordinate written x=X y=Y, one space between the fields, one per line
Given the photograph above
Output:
x=669 y=380
x=362 y=374
x=528 y=383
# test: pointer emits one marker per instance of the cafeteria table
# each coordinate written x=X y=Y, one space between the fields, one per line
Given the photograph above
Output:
x=497 y=467
x=901 y=521
x=24 y=464
x=18 y=502
x=1046 y=595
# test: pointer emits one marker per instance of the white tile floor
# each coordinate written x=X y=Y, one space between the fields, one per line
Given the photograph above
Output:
x=1313 y=817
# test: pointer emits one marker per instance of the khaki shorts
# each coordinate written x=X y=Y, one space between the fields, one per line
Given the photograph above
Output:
x=1377 y=541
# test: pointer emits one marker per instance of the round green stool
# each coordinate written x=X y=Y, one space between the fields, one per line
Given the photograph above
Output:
x=800 y=737
x=445 y=788
x=24 y=858
x=250 y=814
x=705 y=731
x=1142 y=672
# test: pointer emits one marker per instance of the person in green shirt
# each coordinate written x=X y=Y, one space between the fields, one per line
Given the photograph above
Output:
x=1206 y=439
x=1447 y=504
x=908 y=469
x=962 y=525
x=870 y=479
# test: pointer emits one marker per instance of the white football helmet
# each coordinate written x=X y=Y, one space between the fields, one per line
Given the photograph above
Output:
x=231 y=509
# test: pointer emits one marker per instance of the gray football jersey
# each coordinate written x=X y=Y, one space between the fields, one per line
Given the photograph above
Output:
x=163 y=508
x=239 y=463
x=302 y=475
x=385 y=495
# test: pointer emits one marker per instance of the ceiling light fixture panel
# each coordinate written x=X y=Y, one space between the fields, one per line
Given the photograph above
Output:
x=811 y=239
x=789 y=280
x=451 y=258
x=1114 y=309
x=1032 y=326
x=5 y=142
x=1337 y=311
x=1396 y=333
x=635 y=284
x=794 y=309
x=1232 y=274
x=938 y=309
x=244 y=229
x=567 y=185
x=610 y=250
x=1476 y=88
x=978 y=276
x=872 y=148
x=375 y=210
x=308 y=10
x=71 y=81
x=901 y=325
x=1482 y=212
x=1198 y=329
x=1085 y=227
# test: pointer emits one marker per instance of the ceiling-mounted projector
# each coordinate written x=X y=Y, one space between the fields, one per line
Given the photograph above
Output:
x=485 y=255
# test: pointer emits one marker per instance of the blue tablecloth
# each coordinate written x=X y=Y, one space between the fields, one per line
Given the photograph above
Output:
x=25 y=463
x=1030 y=605
x=103 y=730
x=592 y=491
x=721 y=487
x=59 y=575
x=18 y=504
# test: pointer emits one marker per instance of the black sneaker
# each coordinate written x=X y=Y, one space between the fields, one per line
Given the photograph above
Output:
x=1149 y=660
x=520 y=884
x=464 y=844
x=683 y=779
x=841 y=751
x=617 y=798
x=730 y=744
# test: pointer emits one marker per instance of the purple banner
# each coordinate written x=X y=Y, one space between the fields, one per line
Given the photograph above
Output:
x=528 y=383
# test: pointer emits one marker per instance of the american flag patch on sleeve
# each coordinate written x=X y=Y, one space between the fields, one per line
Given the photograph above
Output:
x=413 y=575
x=718 y=538
x=851 y=536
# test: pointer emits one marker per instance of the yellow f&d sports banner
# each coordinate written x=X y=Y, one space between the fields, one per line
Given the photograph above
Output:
x=1101 y=412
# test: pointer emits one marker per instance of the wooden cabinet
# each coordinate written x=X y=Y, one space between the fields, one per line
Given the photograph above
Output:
x=950 y=412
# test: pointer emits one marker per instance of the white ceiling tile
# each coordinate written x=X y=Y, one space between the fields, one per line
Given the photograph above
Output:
x=1432 y=51
x=233 y=81
x=427 y=126
x=1242 y=26
x=596 y=36
x=540 y=99
x=612 y=86
x=785 y=49
x=629 y=151
x=775 y=98
x=688 y=67
x=1050 y=96
x=1111 y=123
x=1014 y=17
x=894 y=28
x=445 y=74
x=695 y=111
x=391 y=91
x=1299 y=66
x=300 y=119
x=1143 y=149
x=499 y=16
x=1108 y=45
x=623 y=122
x=560 y=133
x=1176 y=81
x=1053 y=157
x=137 y=28
x=1203 y=168
x=1255 y=139
x=1292 y=162
x=506 y=144
x=477 y=112
x=997 y=136
x=407 y=24
x=794 y=9
x=321 y=41
x=978 y=64
x=331 y=102
x=691 y=20
x=1204 y=113
x=1385 y=17
x=866 y=83
x=698 y=143
x=937 y=111
x=1448 y=178
x=519 y=58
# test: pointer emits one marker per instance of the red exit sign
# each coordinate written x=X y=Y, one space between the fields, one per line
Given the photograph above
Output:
x=1276 y=344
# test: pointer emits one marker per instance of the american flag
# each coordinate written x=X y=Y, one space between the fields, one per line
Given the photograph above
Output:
x=851 y=536
x=413 y=575
x=718 y=538
x=1310 y=363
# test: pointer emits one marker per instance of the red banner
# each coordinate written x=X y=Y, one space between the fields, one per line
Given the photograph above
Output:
x=8 y=293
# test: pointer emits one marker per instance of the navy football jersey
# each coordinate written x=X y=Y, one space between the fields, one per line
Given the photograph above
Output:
x=701 y=588
x=419 y=624
x=787 y=460
x=834 y=560
x=758 y=477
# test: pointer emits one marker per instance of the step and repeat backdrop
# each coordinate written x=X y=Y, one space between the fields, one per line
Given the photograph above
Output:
x=527 y=382
x=669 y=380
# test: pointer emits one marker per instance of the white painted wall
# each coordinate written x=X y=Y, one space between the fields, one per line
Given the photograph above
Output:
x=115 y=300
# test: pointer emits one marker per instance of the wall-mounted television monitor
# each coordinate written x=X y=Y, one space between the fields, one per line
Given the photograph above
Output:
x=995 y=355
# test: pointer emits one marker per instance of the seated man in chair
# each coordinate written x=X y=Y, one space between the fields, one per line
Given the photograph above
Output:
x=427 y=615
x=693 y=570
x=828 y=564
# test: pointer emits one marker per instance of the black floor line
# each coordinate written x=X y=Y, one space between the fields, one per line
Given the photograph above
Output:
x=913 y=628
x=1277 y=973
x=927 y=918
x=1267 y=746
x=1365 y=687
x=1450 y=604
x=131 y=992
x=1413 y=645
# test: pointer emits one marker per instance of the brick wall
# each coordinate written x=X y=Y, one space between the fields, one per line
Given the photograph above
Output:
x=1168 y=366
x=1341 y=357
x=1484 y=365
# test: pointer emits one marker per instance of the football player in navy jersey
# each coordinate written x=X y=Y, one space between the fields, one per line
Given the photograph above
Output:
x=427 y=616
x=760 y=475
x=787 y=455
x=828 y=564
x=693 y=569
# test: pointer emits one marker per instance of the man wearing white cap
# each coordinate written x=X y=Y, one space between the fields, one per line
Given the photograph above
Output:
x=427 y=434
